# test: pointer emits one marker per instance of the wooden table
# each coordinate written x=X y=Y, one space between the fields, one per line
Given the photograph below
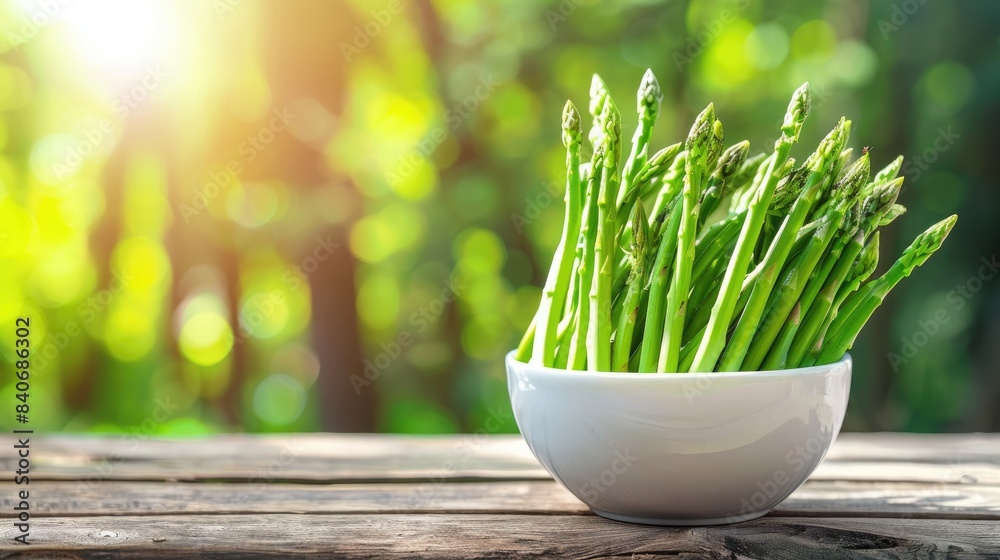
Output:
x=362 y=496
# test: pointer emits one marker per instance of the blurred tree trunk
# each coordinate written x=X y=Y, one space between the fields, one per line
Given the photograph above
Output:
x=343 y=407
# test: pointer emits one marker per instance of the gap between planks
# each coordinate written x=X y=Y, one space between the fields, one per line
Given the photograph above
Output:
x=815 y=498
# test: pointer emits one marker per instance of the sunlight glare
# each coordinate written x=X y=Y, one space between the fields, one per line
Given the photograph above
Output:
x=122 y=34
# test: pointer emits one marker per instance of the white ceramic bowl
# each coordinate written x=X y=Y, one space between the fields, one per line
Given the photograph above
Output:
x=680 y=449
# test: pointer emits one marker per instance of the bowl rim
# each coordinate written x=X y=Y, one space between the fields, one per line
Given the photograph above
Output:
x=845 y=361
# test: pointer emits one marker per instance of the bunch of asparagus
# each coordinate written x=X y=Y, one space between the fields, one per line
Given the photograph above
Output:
x=697 y=258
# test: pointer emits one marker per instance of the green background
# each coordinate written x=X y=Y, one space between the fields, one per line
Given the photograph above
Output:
x=292 y=193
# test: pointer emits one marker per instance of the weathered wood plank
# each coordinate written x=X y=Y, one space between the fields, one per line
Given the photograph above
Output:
x=924 y=448
x=357 y=458
x=495 y=536
x=887 y=446
x=62 y=499
x=815 y=498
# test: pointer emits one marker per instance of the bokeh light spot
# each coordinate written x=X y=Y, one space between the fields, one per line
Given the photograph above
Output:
x=205 y=338
x=378 y=301
x=814 y=39
x=949 y=84
x=767 y=46
x=480 y=250
x=279 y=400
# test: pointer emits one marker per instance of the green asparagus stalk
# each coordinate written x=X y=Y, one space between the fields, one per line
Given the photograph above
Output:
x=714 y=341
x=861 y=269
x=925 y=245
x=781 y=281
x=705 y=132
x=889 y=172
x=792 y=284
x=599 y=331
x=721 y=184
x=622 y=347
x=896 y=211
x=557 y=285
x=523 y=353
x=803 y=337
x=599 y=94
x=755 y=169
x=649 y=351
x=712 y=246
x=588 y=228
x=774 y=261
x=860 y=220
x=647 y=179
x=671 y=185
x=648 y=101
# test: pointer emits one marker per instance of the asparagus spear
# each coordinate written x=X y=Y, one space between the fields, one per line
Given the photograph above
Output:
x=720 y=184
x=557 y=285
x=714 y=340
x=649 y=351
x=792 y=284
x=705 y=132
x=648 y=101
x=712 y=246
x=925 y=245
x=756 y=168
x=803 y=284
x=647 y=178
x=896 y=211
x=599 y=331
x=622 y=347
x=671 y=185
x=862 y=268
x=809 y=231
x=588 y=228
x=599 y=94
x=523 y=353
x=774 y=261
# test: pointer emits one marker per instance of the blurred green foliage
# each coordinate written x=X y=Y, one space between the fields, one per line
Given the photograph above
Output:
x=157 y=226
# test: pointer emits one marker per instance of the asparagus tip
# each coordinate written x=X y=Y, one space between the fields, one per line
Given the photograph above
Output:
x=650 y=95
x=572 y=125
x=798 y=110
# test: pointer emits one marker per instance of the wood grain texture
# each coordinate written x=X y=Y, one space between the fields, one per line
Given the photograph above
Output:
x=814 y=499
x=497 y=536
x=365 y=458
x=340 y=496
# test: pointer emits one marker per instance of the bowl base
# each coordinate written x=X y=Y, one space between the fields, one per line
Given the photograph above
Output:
x=682 y=522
